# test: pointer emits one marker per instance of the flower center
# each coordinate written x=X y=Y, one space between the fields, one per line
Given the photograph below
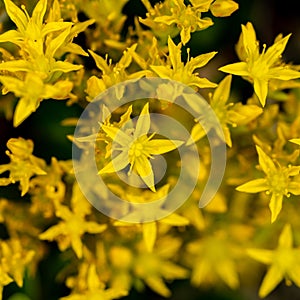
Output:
x=136 y=149
x=278 y=183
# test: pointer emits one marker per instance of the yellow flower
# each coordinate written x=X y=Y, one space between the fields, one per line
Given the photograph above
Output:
x=260 y=68
x=23 y=165
x=94 y=288
x=149 y=229
x=227 y=113
x=112 y=74
x=153 y=267
x=175 y=69
x=137 y=148
x=31 y=31
x=187 y=18
x=212 y=258
x=15 y=259
x=30 y=98
x=73 y=225
x=277 y=182
x=284 y=262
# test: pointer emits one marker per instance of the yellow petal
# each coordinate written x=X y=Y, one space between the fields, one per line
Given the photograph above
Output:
x=149 y=234
x=16 y=15
x=200 y=61
x=265 y=161
x=24 y=109
x=63 y=66
x=158 y=285
x=100 y=62
x=16 y=65
x=117 y=135
x=116 y=164
x=223 y=8
x=76 y=245
x=239 y=68
x=39 y=12
x=143 y=167
x=286 y=237
x=254 y=186
x=160 y=146
x=10 y=36
x=261 y=89
x=293 y=273
x=143 y=122
x=295 y=141
x=221 y=93
x=249 y=40
x=261 y=255
x=275 y=205
x=175 y=220
x=174 y=54
x=270 y=281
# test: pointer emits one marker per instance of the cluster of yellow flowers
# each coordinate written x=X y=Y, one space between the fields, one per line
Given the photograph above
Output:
x=255 y=206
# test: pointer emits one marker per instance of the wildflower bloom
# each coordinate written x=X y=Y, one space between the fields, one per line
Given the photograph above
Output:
x=73 y=224
x=150 y=229
x=23 y=165
x=187 y=18
x=137 y=148
x=30 y=30
x=111 y=73
x=175 y=69
x=91 y=287
x=213 y=258
x=284 y=262
x=32 y=91
x=14 y=259
x=277 y=182
x=260 y=68
x=227 y=113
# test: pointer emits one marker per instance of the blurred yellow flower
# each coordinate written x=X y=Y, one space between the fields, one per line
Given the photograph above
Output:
x=284 y=262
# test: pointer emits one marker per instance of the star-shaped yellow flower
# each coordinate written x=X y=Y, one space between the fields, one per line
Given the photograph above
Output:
x=30 y=30
x=69 y=231
x=227 y=113
x=260 y=68
x=136 y=148
x=185 y=73
x=149 y=229
x=284 y=262
x=277 y=182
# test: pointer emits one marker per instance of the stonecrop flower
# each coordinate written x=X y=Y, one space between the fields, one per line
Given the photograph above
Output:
x=73 y=225
x=260 y=68
x=32 y=90
x=176 y=69
x=150 y=230
x=277 y=182
x=187 y=18
x=23 y=164
x=91 y=286
x=136 y=147
x=284 y=262
x=233 y=114
x=31 y=31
